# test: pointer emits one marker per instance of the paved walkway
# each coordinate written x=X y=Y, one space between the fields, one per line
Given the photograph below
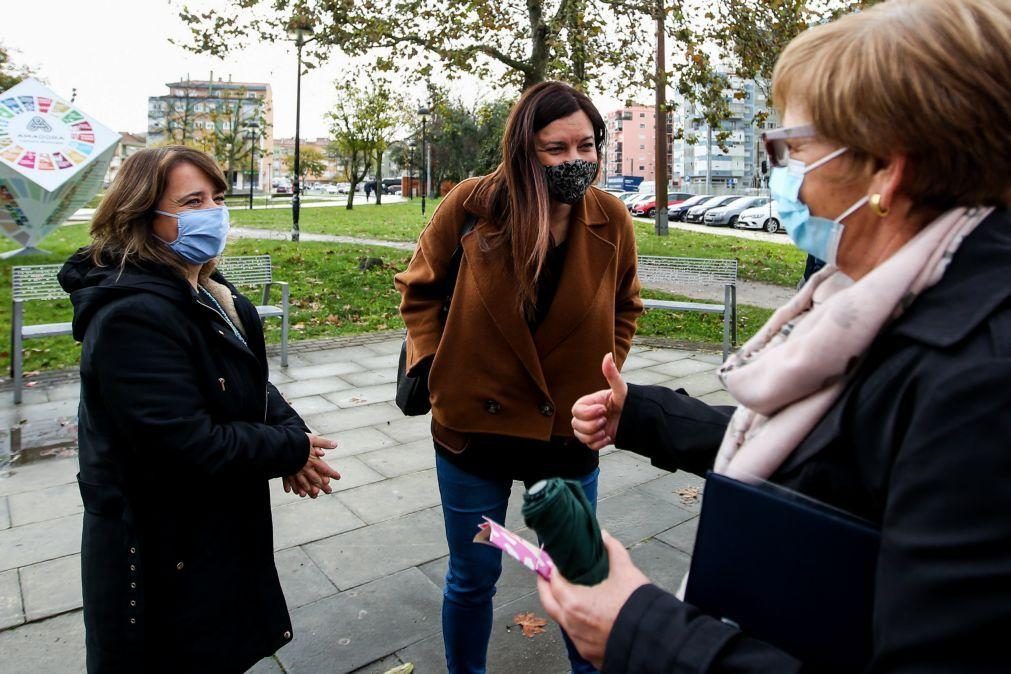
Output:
x=362 y=568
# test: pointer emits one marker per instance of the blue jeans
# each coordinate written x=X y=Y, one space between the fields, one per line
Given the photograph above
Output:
x=474 y=569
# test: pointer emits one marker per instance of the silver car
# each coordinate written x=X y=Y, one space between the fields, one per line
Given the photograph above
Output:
x=726 y=216
x=695 y=213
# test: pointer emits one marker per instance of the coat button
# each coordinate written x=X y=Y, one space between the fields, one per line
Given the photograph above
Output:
x=133 y=621
x=493 y=406
x=547 y=409
x=133 y=602
x=133 y=551
x=133 y=586
x=133 y=568
x=179 y=566
x=220 y=332
x=287 y=634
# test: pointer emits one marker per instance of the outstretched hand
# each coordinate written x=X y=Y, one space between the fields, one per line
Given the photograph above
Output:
x=316 y=474
x=595 y=416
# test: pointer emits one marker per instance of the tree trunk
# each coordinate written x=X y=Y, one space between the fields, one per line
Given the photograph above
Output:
x=379 y=178
x=538 y=45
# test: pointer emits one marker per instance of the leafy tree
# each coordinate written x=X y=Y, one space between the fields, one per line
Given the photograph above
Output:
x=311 y=162
x=228 y=141
x=9 y=73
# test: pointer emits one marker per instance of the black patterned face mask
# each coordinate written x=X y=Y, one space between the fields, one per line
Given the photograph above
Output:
x=568 y=181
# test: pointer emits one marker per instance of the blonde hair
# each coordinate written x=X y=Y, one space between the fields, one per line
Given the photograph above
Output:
x=930 y=79
x=121 y=227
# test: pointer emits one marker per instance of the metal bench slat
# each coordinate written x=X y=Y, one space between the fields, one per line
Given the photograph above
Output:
x=46 y=330
x=266 y=311
x=684 y=306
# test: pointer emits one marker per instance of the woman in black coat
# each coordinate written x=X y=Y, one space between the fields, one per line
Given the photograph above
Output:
x=179 y=432
x=884 y=387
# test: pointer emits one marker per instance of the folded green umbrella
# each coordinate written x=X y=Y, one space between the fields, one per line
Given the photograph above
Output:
x=560 y=513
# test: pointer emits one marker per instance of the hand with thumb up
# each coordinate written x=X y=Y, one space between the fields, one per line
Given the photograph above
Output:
x=595 y=416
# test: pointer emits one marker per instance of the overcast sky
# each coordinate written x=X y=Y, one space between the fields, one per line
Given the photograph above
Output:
x=117 y=54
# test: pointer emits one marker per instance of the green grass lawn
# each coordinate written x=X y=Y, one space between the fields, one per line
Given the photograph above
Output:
x=757 y=260
x=330 y=296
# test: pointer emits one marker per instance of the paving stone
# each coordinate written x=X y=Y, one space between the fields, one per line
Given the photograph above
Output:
x=11 y=610
x=365 y=395
x=401 y=459
x=346 y=354
x=52 y=587
x=682 y=536
x=39 y=475
x=508 y=650
x=355 y=417
x=516 y=581
x=678 y=488
x=278 y=374
x=634 y=362
x=719 y=398
x=40 y=541
x=363 y=555
x=311 y=387
x=665 y=355
x=373 y=377
x=306 y=519
x=714 y=358
x=310 y=405
x=29 y=396
x=64 y=392
x=622 y=470
x=266 y=666
x=393 y=497
x=632 y=516
x=321 y=370
x=663 y=565
x=644 y=377
x=340 y=633
x=26 y=412
x=358 y=441
x=380 y=362
x=53 y=645
x=386 y=347
x=301 y=579
x=682 y=367
x=380 y=666
x=45 y=504
x=409 y=429
x=5 y=514
x=699 y=384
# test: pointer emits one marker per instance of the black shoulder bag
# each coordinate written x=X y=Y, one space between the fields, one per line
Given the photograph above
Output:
x=412 y=390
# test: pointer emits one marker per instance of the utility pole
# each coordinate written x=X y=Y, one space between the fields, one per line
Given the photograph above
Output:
x=660 y=126
x=709 y=158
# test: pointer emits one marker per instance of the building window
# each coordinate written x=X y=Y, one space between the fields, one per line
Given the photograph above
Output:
x=642 y=147
x=642 y=114
x=642 y=126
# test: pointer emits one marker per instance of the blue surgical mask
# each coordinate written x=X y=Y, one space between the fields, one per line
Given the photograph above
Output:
x=202 y=234
x=818 y=236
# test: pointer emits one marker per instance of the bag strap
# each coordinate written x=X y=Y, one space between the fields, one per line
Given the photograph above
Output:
x=454 y=263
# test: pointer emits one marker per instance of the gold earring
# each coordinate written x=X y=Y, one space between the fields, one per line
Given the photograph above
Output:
x=875 y=203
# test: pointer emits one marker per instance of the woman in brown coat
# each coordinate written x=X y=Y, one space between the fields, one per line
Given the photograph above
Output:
x=546 y=287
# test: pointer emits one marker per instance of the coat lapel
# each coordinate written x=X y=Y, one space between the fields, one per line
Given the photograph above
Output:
x=583 y=274
x=495 y=285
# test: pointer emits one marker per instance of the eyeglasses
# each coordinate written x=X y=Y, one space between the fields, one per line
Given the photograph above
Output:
x=776 y=142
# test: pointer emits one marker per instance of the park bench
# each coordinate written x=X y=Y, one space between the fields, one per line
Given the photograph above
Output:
x=39 y=283
x=684 y=274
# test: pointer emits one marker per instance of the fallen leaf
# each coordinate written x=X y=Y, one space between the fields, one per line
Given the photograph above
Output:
x=688 y=495
x=531 y=624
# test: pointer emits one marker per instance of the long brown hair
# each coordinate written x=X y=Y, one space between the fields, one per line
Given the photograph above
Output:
x=516 y=196
x=121 y=228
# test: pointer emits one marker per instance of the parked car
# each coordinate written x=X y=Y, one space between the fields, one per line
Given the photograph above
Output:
x=696 y=213
x=726 y=216
x=394 y=189
x=331 y=189
x=633 y=201
x=760 y=217
x=648 y=208
x=343 y=188
x=625 y=196
x=677 y=213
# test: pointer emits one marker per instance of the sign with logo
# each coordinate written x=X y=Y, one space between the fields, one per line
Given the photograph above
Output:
x=53 y=158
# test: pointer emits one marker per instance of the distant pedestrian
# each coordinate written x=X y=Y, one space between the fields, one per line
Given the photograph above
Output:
x=368 y=190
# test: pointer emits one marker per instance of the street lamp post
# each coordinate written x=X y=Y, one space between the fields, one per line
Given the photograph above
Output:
x=299 y=32
x=410 y=171
x=423 y=113
x=251 y=133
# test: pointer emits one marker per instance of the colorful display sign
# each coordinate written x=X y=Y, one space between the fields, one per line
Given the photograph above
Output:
x=53 y=158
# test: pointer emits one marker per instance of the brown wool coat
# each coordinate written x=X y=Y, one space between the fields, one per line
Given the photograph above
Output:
x=490 y=374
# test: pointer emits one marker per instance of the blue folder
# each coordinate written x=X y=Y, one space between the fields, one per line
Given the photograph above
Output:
x=786 y=569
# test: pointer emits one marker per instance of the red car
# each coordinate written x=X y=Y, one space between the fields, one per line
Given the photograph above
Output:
x=648 y=208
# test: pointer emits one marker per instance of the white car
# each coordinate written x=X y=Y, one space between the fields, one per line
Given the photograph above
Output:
x=331 y=189
x=760 y=217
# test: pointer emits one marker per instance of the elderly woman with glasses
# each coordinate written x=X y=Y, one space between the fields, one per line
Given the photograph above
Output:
x=884 y=387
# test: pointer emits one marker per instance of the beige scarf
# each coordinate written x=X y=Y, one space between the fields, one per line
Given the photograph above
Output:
x=790 y=373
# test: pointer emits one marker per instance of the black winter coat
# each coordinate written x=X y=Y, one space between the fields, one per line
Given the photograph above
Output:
x=179 y=433
x=920 y=444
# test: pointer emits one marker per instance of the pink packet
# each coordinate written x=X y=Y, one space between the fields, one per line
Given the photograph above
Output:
x=523 y=551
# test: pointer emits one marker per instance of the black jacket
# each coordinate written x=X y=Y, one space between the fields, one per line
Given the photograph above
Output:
x=179 y=433
x=920 y=444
